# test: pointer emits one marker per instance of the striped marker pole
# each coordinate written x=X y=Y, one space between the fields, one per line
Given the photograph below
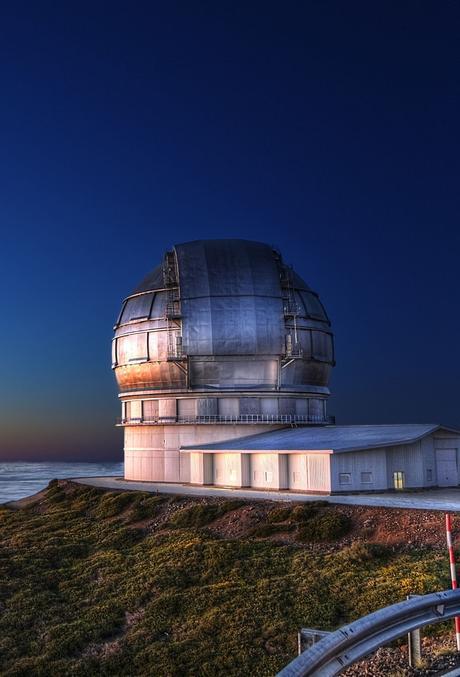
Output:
x=453 y=572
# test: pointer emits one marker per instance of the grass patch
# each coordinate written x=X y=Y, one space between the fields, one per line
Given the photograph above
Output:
x=84 y=591
x=264 y=530
x=279 y=514
x=328 y=526
x=203 y=514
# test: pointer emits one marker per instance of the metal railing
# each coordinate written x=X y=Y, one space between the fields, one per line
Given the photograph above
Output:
x=244 y=418
x=352 y=642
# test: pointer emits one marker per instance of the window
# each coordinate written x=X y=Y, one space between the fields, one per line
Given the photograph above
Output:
x=268 y=476
x=322 y=346
x=398 y=479
x=344 y=478
x=137 y=308
x=429 y=475
x=366 y=478
x=150 y=410
x=313 y=305
x=132 y=348
x=114 y=353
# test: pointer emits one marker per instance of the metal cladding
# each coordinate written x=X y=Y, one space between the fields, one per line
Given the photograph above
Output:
x=223 y=314
x=223 y=331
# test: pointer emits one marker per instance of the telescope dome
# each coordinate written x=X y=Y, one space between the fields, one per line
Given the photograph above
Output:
x=220 y=340
x=223 y=315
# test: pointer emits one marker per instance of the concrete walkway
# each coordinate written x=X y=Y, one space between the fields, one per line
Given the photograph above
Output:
x=434 y=499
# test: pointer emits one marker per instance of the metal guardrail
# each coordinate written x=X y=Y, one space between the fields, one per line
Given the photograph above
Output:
x=352 y=642
x=245 y=418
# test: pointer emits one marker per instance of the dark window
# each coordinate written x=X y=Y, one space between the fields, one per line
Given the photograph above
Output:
x=313 y=306
x=114 y=353
x=137 y=308
x=322 y=346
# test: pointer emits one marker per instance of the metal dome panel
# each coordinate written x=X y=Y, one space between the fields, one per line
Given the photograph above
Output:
x=231 y=298
x=223 y=314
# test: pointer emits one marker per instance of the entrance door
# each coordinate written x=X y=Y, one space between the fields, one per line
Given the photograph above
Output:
x=446 y=467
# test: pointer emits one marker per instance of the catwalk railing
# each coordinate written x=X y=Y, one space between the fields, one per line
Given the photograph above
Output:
x=245 y=418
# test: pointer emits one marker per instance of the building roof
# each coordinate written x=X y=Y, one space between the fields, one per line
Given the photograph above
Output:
x=327 y=438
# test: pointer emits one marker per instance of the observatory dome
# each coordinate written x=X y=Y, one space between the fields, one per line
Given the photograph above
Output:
x=222 y=330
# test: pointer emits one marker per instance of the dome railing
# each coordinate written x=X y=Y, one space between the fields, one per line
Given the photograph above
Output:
x=243 y=418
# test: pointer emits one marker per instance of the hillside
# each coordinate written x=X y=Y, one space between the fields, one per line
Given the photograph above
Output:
x=127 y=583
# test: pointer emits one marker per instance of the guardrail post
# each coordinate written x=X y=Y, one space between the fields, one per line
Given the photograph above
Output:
x=307 y=637
x=414 y=644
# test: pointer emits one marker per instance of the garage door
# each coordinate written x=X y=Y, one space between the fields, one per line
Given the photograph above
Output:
x=446 y=467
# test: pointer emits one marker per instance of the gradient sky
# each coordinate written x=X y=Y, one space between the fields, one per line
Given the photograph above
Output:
x=329 y=129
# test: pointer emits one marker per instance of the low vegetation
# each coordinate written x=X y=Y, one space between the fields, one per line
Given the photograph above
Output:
x=202 y=514
x=127 y=583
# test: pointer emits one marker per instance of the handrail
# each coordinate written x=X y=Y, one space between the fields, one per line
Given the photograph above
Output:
x=244 y=418
x=352 y=642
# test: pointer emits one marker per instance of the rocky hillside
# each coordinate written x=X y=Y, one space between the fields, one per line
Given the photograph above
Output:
x=127 y=583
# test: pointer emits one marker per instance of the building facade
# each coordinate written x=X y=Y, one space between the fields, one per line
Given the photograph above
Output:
x=223 y=356
x=220 y=340
x=333 y=459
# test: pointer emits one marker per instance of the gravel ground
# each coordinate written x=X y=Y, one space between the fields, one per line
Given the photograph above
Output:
x=438 y=657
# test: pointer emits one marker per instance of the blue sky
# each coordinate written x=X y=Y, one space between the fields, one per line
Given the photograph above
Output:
x=328 y=129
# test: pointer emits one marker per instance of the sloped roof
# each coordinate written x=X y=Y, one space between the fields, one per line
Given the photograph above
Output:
x=337 y=438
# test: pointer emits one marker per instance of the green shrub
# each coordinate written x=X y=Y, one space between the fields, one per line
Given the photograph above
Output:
x=264 y=530
x=82 y=595
x=324 y=527
x=195 y=516
x=147 y=506
x=202 y=514
x=302 y=513
x=230 y=505
x=361 y=552
x=113 y=504
x=121 y=539
x=279 y=514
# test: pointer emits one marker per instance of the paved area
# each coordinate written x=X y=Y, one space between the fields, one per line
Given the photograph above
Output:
x=435 y=499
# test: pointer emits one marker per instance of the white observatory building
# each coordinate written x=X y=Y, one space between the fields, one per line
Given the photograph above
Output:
x=222 y=356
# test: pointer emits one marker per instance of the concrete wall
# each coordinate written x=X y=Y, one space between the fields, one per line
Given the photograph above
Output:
x=230 y=470
x=187 y=407
x=167 y=409
x=152 y=452
x=309 y=472
x=298 y=472
x=268 y=471
x=201 y=468
x=319 y=472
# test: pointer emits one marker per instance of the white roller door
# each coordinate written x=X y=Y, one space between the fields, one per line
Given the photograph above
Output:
x=446 y=467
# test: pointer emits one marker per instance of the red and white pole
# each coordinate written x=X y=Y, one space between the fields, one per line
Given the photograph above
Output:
x=453 y=572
